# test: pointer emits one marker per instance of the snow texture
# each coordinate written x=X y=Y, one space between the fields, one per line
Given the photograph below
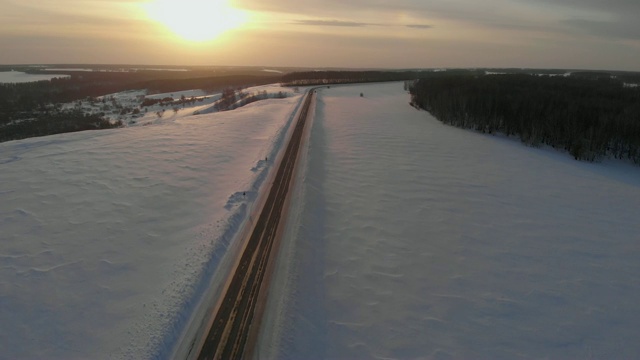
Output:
x=109 y=239
x=412 y=239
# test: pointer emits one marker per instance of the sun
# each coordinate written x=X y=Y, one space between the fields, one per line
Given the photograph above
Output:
x=196 y=20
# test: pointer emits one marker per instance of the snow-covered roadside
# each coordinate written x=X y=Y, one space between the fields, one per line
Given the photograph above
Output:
x=193 y=334
x=107 y=237
x=270 y=336
x=412 y=239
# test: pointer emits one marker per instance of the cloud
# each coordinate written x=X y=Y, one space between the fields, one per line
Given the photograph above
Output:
x=340 y=23
x=607 y=29
x=612 y=6
x=613 y=19
x=419 y=26
x=331 y=23
x=333 y=8
x=501 y=14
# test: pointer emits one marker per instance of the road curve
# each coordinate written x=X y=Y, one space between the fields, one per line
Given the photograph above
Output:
x=227 y=337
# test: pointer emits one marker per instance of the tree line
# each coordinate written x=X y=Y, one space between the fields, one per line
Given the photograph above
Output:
x=232 y=99
x=590 y=113
x=589 y=116
x=55 y=123
x=308 y=78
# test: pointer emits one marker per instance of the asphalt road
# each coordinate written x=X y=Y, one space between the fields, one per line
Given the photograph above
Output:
x=227 y=337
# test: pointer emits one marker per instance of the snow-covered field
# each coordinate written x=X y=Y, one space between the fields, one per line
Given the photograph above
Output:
x=108 y=239
x=412 y=239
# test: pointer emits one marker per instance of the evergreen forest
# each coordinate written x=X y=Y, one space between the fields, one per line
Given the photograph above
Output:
x=591 y=117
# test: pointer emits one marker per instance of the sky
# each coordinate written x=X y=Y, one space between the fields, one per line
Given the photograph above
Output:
x=575 y=34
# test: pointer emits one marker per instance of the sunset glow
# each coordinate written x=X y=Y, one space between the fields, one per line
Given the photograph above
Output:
x=196 y=20
x=571 y=34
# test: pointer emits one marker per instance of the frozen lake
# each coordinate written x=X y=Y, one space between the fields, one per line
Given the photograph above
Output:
x=21 y=77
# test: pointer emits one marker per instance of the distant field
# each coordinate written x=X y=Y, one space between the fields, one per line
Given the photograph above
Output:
x=408 y=238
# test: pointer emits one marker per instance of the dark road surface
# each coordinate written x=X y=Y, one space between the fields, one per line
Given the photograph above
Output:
x=227 y=337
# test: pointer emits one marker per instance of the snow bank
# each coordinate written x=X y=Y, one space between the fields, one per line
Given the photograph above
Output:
x=412 y=239
x=107 y=235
